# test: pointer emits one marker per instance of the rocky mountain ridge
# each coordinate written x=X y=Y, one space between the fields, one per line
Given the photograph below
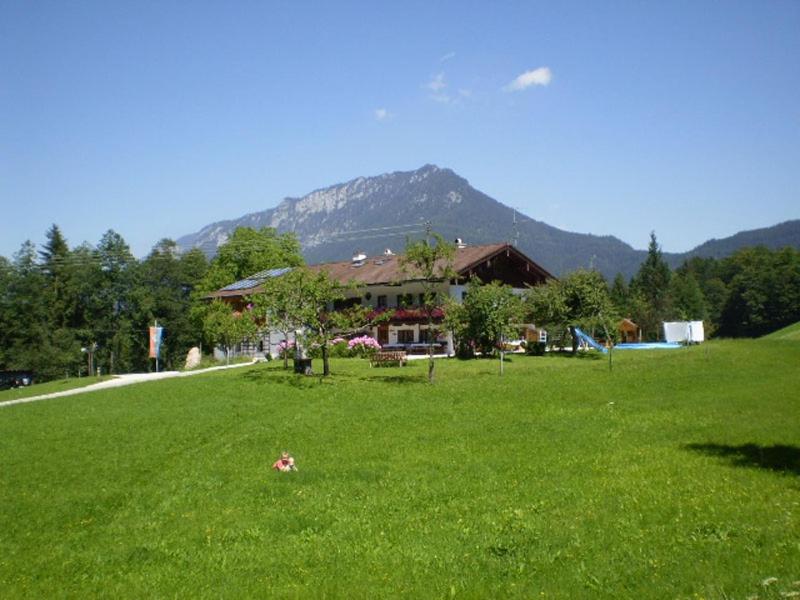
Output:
x=370 y=214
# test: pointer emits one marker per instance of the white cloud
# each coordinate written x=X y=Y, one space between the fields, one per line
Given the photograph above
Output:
x=464 y=93
x=540 y=76
x=443 y=98
x=447 y=57
x=437 y=84
x=381 y=114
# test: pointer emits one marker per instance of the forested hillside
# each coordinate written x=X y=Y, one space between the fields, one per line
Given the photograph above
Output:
x=64 y=308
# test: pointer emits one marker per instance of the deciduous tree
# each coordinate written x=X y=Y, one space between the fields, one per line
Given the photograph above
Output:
x=430 y=262
x=580 y=299
x=226 y=327
x=249 y=251
x=486 y=318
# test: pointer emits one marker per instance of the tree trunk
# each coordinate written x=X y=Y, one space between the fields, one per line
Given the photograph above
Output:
x=326 y=369
x=574 y=339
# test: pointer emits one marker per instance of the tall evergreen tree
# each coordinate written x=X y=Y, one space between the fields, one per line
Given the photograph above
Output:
x=55 y=250
x=27 y=314
x=620 y=295
x=651 y=285
x=61 y=344
x=6 y=306
x=120 y=344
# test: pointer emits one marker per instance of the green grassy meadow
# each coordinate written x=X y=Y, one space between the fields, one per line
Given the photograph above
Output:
x=50 y=387
x=676 y=475
x=788 y=333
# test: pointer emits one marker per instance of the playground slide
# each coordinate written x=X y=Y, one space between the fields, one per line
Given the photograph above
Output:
x=582 y=335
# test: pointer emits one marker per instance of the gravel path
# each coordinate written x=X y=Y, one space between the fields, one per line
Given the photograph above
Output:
x=121 y=380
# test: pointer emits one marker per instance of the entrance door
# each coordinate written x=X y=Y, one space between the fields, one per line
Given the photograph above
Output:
x=383 y=334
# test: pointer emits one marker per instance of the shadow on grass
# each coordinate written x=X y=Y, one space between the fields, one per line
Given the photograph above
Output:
x=509 y=357
x=396 y=379
x=288 y=377
x=779 y=457
x=567 y=354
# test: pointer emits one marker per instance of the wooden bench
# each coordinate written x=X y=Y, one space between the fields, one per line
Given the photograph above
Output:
x=388 y=358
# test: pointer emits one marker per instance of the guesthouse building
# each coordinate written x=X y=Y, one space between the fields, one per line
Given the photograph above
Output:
x=383 y=284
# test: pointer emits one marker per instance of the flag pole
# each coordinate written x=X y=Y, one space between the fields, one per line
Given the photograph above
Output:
x=156 y=347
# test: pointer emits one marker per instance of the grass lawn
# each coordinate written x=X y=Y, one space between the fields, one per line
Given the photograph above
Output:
x=676 y=475
x=789 y=333
x=50 y=387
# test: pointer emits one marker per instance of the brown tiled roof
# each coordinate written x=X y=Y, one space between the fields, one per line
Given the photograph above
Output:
x=388 y=269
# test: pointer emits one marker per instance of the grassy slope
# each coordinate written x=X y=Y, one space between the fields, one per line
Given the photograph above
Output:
x=673 y=476
x=49 y=387
x=790 y=332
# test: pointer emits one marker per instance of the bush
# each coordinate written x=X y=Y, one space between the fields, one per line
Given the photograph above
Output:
x=363 y=346
x=286 y=349
x=339 y=348
x=535 y=348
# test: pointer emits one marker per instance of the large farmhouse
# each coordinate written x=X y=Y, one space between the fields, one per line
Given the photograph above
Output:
x=382 y=284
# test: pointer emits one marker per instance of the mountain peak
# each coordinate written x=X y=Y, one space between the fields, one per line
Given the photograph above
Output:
x=373 y=213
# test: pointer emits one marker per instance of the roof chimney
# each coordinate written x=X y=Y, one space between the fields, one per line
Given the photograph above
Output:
x=358 y=258
x=460 y=243
x=388 y=252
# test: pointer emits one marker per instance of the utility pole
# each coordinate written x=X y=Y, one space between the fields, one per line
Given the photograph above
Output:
x=515 y=229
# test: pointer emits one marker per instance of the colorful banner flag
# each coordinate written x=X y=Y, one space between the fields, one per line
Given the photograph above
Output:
x=155 y=341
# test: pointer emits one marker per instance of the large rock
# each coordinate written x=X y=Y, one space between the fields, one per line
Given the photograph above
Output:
x=193 y=358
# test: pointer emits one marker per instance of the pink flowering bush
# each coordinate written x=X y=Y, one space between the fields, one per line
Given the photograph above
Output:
x=286 y=348
x=363 y=346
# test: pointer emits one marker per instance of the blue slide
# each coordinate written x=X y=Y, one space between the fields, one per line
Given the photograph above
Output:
x=582 y=335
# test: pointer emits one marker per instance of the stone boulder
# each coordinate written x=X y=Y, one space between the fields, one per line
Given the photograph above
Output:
x=193 y=358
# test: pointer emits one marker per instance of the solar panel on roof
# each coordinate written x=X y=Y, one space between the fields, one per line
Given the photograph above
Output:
x=241 y=285
x=255 y=280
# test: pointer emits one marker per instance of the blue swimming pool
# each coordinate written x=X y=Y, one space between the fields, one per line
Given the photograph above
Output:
x=648 y=346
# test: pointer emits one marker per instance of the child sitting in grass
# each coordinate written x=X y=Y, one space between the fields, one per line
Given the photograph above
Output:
x=285 y=462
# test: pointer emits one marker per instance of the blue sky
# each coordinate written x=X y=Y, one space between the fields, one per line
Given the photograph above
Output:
x=157 y=118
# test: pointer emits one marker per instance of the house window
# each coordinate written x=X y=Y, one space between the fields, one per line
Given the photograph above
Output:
x=422 y=299
x=463 y=296
x=382 y=301
x=405 y=299
x=405 y=336
x=346 y=303
x=424 y=336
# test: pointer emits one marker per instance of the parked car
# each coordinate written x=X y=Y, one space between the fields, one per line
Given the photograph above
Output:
x=15 y=379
